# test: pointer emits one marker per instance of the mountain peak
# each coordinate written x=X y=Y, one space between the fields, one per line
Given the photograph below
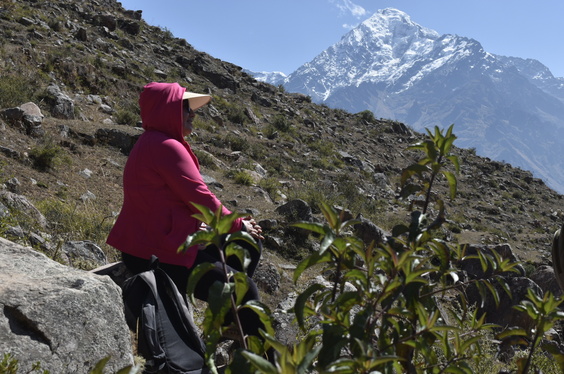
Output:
x=396 y=22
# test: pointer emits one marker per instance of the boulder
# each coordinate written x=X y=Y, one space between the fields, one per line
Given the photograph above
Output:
x=62 y=106
x=503 y=314
x=296 y=210
x=473 y=267
x=22 y=205
x=369 y=232
x=27 y=118
x=546 y=279
x=122 y=140
x=65 y=319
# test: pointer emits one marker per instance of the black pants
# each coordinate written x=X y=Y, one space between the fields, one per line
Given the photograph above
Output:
x=179 y=275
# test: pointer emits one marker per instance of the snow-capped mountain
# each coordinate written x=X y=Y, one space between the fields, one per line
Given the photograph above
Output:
x=275 y=77
x=507 y=108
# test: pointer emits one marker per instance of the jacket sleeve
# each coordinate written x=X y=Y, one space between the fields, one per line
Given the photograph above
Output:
x=181 y=174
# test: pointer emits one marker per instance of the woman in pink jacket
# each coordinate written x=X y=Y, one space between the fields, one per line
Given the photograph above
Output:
x=160 y=181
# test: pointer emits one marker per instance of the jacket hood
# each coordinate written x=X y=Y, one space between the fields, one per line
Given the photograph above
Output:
x=161 y=108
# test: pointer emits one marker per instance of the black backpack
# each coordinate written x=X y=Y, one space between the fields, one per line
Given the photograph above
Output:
x=167 y=336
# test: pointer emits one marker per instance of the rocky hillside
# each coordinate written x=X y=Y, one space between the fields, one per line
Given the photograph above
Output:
x=82 y=65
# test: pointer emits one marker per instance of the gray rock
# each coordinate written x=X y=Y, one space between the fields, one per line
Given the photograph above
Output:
x=64 y=318
x=116 y=138
x=105 y=20
x=84 y=250
x=267 y=277
x=368 y=232
x=546 y=279
x=296 y=210
x=503 y=314
x=473 y=266
x=13 y=185
x=27 y=118
x=22 y=205
x=62 y=106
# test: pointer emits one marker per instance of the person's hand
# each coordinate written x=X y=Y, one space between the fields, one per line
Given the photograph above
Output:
x=253 y=228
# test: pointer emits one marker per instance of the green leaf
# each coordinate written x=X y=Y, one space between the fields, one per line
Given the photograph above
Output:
x=511 y=332
x=314 y=259
x=399 y=230
x=263 y=312
x=199 y=237
x=493 y=292
x=195 y=275
x=431 y=150
x=452 y=182
x=301 y=300
x=412 y=170
x=260 y=363
x=328 y=239
x=330 y=214
x=241 y=286
x=206 y=215
x=219 y=299
x=242 y=236
x=447 y=142
x=455 y=162
x=308 y=359
x=334 y=338
x=311 y=226
x=100 y=365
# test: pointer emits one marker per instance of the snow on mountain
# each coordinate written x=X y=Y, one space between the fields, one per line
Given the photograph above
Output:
x=275 y=77
x=507 y=108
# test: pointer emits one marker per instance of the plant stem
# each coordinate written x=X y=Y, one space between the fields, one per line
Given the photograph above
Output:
x=232 y=297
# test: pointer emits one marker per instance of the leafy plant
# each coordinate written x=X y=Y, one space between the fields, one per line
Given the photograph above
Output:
x=16 y=89
x=47 y=156
x=437 y=153
x=227 y=297
x=10 y=365
x=387 y=307
x=281 y=123
x=367 y=115
x=544 y=311
x=243 y=177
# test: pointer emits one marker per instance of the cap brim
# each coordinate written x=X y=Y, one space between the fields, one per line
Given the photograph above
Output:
x=196 y=100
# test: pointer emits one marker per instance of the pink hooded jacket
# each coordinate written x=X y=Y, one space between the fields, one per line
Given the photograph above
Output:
x=160 y=181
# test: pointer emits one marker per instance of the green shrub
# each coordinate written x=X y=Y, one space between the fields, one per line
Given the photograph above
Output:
x=270 y=132
x=367 y=115
x=127 y=117
x=243 y=177
x=281 y=123
x=47 y=156
x=324 y=148
x=236 y=142
x=237 y=115
x=387 y=307
x=15 y=89
x=206 y=160
x=271 y=186
x=10 y=365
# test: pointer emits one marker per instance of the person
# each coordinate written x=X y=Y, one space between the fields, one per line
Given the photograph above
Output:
x=161 y=180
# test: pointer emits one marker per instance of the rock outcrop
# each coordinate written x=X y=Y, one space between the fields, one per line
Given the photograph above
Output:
x=65 y=319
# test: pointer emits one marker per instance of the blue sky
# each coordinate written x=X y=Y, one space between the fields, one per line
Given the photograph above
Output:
x=276 y=35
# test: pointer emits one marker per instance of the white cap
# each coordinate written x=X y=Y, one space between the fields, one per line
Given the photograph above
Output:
x=196 y=100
